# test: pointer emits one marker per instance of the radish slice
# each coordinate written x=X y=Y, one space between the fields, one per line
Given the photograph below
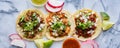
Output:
x=90 y=44
x=55 y=3
x=14 y=36
x=50 y=9
x=94 y=43
x=18 y=42
x=87 y=45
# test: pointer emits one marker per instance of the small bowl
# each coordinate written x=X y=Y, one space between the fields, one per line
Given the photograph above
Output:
x=72 y=42
x=36 y=5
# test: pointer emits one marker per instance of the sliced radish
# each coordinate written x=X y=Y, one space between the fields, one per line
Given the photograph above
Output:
x=18 y=42
x=14 y=36
x=55 y=3
x=90 y=44
x=87 y=45
x=50 y=9
x=94 y=43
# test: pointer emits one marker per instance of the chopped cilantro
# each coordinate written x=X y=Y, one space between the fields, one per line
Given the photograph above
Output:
x=22 y=18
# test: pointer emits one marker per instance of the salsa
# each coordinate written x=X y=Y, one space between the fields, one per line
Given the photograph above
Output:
x=71 y=43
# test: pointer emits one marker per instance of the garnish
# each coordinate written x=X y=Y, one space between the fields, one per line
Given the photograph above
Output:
x=86 y=25
x=22 y=18
x=57 y=25
x=40 y=43
x=105 y=16
x=107 y=25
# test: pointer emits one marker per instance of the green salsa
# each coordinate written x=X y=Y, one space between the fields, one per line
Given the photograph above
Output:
x=38 y=2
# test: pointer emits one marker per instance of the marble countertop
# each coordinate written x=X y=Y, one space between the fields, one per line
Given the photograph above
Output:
x=9 y=9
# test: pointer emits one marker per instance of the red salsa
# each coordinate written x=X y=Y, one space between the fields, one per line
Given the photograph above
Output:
x=71 y=43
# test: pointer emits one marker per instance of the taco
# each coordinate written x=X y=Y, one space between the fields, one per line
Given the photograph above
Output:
x=87 y=24
x=58 y=25
x=30 y=24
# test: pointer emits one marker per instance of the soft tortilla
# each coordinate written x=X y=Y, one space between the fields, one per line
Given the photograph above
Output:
x=61 y=38
x=19 y=29
x=98 y=23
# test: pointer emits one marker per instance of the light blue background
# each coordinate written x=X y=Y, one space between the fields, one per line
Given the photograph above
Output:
x=9 y=9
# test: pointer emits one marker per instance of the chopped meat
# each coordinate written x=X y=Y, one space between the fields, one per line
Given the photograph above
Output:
x=93 y=27
x=92 y=18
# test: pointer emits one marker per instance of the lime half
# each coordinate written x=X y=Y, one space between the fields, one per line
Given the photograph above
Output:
x=107 y=25
x=39 y=43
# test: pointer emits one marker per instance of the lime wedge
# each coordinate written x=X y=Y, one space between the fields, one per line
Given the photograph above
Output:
x=107 y=25
x=39 y=43
x=105 y=16
x=48 y=43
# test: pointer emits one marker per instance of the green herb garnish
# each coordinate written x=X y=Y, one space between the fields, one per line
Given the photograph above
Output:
x=22 y=18
x=35 y=22
x=28 y=26
x=34 y=17
x=89 y=23
x=84 y=26
x=40 y=30
x=69 y=23
x=57 y=25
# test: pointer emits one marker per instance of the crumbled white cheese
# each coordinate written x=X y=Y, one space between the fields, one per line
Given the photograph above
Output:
x=50 y=23
x=95 y=24
x=88 y=17
x=42 y=25
x=61 y=28
x=38 y=19
x=57 y=18
x=54 y=20
x=39 y=28
x=55 y=34
x=54 y=30
x=91 y=31
x=84 y=18
x=66 y=15
x=53 y=17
